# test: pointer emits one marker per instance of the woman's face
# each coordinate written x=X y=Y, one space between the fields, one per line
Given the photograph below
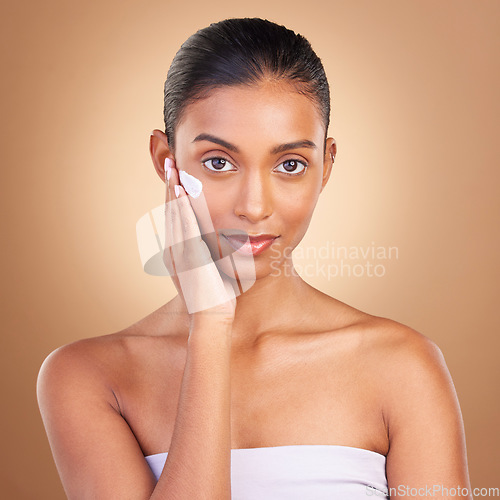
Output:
x=258 y=150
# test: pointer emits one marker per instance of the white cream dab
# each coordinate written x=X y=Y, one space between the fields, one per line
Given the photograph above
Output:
x=191 y=184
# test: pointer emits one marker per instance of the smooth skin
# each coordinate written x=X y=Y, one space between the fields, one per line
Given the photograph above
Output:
x=289 y=365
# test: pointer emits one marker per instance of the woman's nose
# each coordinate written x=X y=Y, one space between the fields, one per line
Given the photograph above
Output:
x=254 y=200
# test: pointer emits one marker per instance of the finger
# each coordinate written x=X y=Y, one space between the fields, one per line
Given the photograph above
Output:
x=194 y=190
x=188 y=250
x=201 y=211
x=181 y=208
x=162 y=215
x=189 y=223
x=172 y=222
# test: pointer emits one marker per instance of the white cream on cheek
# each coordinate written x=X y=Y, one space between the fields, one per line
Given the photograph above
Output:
x=191 y=184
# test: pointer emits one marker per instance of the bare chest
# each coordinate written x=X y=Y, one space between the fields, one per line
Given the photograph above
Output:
x=296 y=396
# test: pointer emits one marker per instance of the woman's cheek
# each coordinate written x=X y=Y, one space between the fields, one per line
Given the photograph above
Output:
x=217 y=207
x=297 y=216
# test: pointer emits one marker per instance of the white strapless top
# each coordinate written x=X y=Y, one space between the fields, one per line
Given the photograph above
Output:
x=301 y=472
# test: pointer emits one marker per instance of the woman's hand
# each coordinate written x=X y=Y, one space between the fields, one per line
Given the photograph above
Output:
x=187 y=257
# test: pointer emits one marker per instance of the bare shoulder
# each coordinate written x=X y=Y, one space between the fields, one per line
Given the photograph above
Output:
x=395 y=355
x=87 y=357
x=105 y=360
x=402 y=358
x=408 y=366
x=399 y=343
x=407 y=353
x=80 y=373
x=380 y=337
x=420 y=406
x=413 y=363
x=380 y=343
x=80 y=394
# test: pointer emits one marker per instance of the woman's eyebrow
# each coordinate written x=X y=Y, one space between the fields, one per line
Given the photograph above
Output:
x=216 y=140
x=293 y=145
x=277 y=149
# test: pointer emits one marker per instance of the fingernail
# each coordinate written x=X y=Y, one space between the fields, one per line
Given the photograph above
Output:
x=177 y=190
x=168 y=168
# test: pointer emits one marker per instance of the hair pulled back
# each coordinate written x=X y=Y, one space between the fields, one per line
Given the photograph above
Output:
x=242 y=51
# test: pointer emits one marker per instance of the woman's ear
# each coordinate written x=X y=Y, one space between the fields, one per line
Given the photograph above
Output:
x=159 y=150
x=330 y=154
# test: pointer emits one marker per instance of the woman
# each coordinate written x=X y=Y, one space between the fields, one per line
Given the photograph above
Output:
x=250 y=382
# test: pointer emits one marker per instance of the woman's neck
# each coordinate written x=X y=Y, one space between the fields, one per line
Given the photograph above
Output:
x=273 y=304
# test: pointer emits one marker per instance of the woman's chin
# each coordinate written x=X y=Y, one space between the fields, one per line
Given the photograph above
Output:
x=248 y=271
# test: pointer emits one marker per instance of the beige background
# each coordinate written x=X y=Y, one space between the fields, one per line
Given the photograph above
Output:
x=415 y=113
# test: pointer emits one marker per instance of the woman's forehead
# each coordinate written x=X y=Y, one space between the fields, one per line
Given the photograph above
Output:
x=272 y=110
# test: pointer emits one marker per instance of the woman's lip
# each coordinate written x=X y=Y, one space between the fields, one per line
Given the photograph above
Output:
x=250 y=245
x=242 y=236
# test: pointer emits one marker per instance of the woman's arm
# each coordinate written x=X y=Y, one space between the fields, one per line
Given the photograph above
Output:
x=427 y=452
x=199 y=460
x=96 y=453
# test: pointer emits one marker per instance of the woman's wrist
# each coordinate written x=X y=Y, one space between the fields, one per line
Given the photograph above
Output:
x=210 y=323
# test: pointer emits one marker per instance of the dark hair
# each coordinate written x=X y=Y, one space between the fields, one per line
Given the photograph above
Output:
x=242 y=52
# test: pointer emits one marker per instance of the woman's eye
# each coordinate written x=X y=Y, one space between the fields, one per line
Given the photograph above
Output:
x=218 y=165
x=292 y=167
